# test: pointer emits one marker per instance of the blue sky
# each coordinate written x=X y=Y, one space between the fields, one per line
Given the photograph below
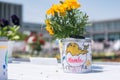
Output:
x=34 y=10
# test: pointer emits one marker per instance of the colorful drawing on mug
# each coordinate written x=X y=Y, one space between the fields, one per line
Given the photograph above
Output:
x=76 y=60
x=88 y=63
x=6 y=58
x=75 y=50
x=5 y=63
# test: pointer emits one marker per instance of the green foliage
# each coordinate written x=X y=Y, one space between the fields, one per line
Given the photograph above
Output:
x=72 y=23
x=22 y=36
x=10 y=32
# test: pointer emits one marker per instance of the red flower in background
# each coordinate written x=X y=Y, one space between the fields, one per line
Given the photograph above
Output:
x=34 y=39
x=42 y=42
x=40 y=34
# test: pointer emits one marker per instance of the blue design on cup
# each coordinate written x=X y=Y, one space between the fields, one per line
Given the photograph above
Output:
x=63 y=57
x=6 y=58
x=4 y=66
x=6 y=63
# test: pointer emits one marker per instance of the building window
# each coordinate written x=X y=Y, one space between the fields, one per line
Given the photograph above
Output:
x=99 y=27
x=117 y=25
x=110 y=26
x=95 y=27
x=113 y=36
x=98 y=37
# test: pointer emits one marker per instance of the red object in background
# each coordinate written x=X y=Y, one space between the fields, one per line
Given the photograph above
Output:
x=42 y=42
x=33 y=33
x=26 y=39
x=40 y=34
x=34 y=39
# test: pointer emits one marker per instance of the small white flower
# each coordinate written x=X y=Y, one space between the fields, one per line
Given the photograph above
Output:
x=30 y=40
x=10 y=32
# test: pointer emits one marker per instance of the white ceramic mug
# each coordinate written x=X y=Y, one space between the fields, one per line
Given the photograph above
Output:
x=3 y=60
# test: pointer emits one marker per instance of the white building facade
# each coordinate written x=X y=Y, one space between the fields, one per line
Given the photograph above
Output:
x=104 y=30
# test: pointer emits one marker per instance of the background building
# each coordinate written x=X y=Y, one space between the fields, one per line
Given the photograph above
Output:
x=98 y=31
x=9 y=9
x=34 y=27
x=104 y=30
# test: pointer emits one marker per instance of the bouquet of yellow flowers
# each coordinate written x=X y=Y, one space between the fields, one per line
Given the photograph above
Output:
x=65 y=19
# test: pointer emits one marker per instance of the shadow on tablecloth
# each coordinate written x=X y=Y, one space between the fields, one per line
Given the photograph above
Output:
x=97 y=69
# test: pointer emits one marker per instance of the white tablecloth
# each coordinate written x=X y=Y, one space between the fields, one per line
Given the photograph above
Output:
x=29 y=71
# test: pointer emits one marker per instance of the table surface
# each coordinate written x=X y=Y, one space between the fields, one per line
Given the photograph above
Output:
x=29 y=71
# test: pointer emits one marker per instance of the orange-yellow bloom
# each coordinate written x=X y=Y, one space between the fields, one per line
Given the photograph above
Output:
x=62 y=10
x=53 y=9
x=50 y=11
x=62 y=14
x=72 y=4
x=50 y=30
x=47 y=22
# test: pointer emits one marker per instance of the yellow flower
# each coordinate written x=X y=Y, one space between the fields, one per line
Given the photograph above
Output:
x=72 y=4
x=50 y=30
x=67 y=5
x=62 y=14
x=55 y=7
x=47 y=22
x=59 y=8
x=50 y=11
x=75 y=5
x=62 y=9
x=59 y=15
